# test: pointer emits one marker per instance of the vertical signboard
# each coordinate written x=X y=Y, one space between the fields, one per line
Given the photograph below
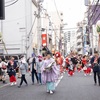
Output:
x=44 y=40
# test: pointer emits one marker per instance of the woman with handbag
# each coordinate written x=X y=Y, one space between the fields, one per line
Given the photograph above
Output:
x=84 y=65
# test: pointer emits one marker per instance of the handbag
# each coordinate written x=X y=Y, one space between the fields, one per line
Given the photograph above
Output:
x=49 y=67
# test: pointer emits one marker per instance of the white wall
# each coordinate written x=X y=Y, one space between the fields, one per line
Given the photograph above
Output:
x=18 y=22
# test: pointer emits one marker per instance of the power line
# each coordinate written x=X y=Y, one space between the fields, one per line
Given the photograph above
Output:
x=91 y=6
x=57 y=10
x=30 y=33
x=94 y=10
x=12 y=3
x=31 y=27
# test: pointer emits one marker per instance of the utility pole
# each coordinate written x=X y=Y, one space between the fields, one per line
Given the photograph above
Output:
x=39 y=28
x=26 y=28
x=60 y=40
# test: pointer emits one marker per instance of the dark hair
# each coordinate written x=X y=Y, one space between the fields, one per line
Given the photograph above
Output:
x=84 y=56
x=21 y=56
x=95 y=51
x=49 y=53
x=3 y=59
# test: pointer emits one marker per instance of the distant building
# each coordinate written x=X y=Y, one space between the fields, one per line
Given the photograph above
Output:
x=79 y=40
x=56 y=27
x=93 y=17
x=70 y=40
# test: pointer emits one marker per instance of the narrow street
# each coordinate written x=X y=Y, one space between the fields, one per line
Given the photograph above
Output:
x=77 y=87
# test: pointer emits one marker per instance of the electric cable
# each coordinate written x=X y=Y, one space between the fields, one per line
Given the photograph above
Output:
x=31 y=27
x=57 y=10
x=91 y=6
x=30 y=32
x=12 y=3
x=94 y=10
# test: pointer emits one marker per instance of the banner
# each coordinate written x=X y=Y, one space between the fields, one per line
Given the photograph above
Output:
x=44 y=40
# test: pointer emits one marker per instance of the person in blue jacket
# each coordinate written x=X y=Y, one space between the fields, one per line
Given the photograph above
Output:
x=95 y=62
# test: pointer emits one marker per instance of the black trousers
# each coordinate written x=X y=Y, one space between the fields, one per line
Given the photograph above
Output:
x=34 y=73
x=96 y=74
x=23 y=79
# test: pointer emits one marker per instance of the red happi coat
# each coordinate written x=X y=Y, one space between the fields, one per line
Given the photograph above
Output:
x=60 y=62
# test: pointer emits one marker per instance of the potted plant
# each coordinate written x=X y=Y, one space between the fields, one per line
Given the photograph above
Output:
x=98 y=29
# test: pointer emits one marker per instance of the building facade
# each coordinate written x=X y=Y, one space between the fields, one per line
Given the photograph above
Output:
x=17 y=30
x=79 y=40
x=70 y=40
x=93 y=17
x=57 y=33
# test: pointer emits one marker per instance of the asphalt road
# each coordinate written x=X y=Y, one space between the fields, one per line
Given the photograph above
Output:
x=77 y=87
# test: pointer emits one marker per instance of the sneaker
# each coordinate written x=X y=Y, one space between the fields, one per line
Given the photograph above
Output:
x=4 y=82
x=47 y=91
x=95 y=83
x=12 y=84
x=19 y=86
x=40 y=83
x=85 y=75
x=15 y=83
x=51 y=92
x=26 y=84
x=90 y=74
x=68 y=74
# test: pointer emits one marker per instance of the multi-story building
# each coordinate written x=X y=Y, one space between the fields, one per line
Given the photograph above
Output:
x=70 y=40
x=79 y=36
x=57 y=23
x=17 y=28
x=93 y=16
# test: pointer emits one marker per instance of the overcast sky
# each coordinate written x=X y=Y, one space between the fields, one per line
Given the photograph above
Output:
x=73 y=10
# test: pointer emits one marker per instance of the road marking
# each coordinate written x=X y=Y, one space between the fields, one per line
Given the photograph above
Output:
x=60 y=78
x=4 y=85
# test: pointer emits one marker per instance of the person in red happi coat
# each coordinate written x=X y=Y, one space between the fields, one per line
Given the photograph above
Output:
x=84 y=65
x=59 y=61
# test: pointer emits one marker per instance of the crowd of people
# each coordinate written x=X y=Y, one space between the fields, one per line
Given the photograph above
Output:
x=48 y=68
